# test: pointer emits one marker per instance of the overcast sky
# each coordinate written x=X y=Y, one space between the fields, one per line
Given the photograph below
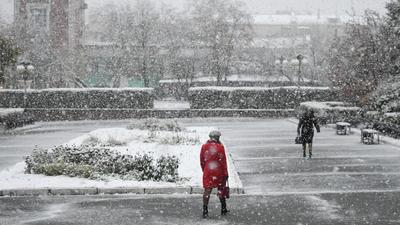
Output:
x=328 y=7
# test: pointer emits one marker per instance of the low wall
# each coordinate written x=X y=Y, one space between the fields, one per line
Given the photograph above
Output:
x=257 y=97
x=136 y=98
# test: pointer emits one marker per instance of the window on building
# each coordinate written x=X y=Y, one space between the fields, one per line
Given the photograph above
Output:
x=39 y=16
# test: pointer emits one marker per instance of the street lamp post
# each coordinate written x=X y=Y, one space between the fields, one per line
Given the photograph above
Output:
x=25 y=69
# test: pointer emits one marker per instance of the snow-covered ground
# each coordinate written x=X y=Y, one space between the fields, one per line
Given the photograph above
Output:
x=133 y=142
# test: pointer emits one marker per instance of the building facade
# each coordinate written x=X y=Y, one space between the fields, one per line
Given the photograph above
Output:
x=50 y=34
x=62 y=21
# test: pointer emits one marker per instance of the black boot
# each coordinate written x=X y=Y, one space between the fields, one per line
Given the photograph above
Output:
x=205 y=211
x=224 y=211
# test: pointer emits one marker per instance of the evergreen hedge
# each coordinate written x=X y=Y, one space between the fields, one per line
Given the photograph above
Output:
x=137 y=98
x=257 y=97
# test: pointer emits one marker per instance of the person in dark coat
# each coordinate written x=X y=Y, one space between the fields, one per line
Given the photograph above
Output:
x=215 y=171
x=305 y=130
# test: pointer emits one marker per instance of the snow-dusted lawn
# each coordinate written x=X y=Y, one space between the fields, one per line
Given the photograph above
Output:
x=132 y=142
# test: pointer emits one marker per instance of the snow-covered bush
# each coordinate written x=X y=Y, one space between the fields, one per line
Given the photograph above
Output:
x=386 y=97
x=331 y=112
x=257 y=97
x=153 y=124
x=172 y=138
x=110 y=142
x=13 y=118
x=99 y=163
x=137 y=98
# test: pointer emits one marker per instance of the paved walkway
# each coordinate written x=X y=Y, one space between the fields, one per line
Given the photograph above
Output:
x=269 y=163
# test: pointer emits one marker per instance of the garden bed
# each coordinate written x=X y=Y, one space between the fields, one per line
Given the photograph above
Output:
x=138 y=140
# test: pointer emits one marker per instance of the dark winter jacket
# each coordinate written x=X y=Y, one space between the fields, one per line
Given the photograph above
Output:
x=305 y=127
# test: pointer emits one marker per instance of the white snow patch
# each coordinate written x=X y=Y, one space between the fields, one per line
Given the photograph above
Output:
x=326 y=209
x=51 y=212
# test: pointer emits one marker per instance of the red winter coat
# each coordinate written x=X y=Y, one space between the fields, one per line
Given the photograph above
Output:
x=213 y=164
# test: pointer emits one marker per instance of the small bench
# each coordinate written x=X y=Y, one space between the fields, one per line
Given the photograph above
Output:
x=370 y=136
x=343 y=128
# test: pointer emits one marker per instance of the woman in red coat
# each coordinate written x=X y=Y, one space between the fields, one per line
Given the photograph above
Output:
x=215 y=172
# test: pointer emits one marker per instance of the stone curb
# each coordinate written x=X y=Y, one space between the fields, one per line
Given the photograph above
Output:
x=108 y=191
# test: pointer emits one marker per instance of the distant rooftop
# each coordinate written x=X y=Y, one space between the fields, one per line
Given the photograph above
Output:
x=275 y=19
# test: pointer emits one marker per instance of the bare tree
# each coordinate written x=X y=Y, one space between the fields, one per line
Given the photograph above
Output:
x=223 y=27
x=358 y=61
x=136 y=33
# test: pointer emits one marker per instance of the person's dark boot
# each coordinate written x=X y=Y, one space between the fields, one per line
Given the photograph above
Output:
x=205 y=211
x=224 y=211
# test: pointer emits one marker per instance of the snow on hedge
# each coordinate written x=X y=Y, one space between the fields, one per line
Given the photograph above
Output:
x=287 y=97
x=332 y=112
x=76 y=90
x=132 y=142
x=219 y=88
x=340 y=106
x=235 y=77
x=138 y=98
x=9 y=111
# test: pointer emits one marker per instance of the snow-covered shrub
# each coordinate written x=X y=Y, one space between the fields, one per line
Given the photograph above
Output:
x=257 y=97
x=98 y=163
x=111 y=141
x=331 y=112
x=172 y=138
x=387 y=98
x=13 y=118
x=180 y=139
x=392 y=118
x=139 y=98
x=153 y=124
x=167 y=168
